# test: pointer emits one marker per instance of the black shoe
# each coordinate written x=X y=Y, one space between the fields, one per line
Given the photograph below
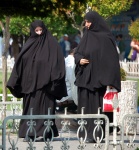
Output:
x=88 y=140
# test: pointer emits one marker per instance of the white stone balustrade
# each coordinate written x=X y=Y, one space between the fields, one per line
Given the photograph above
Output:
x=131 y=68
x=128 y=99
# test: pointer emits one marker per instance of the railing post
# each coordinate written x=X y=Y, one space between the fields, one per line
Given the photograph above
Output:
x=115 y=106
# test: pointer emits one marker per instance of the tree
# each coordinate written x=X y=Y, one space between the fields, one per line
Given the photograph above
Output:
x=6 y=37
x=106 y=8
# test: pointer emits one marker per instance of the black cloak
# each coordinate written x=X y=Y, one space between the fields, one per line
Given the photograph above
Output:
x=98 y=46
x=40 y=64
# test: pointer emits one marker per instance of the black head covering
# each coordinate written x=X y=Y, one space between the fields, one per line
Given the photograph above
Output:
x=98 y=23
x=34 y=25
x=98 y=46
x=39 y=64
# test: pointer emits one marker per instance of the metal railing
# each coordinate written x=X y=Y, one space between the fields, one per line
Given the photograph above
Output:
x=127 y=138
x=129 y=135
x=6 y=108
x=65 y=128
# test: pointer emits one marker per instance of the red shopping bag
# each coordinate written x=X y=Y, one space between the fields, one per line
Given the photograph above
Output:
x=107 y=99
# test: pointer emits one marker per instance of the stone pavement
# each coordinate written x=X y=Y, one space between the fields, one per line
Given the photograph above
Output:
x=73 y=142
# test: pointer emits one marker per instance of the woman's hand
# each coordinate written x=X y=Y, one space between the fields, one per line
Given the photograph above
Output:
x=84 y=61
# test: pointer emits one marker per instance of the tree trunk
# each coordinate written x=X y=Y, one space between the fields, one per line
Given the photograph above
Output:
x=6 y=37
x=15 y=46
x=4 y=77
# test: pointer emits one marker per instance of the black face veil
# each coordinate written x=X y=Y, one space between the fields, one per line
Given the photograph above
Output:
x=39 y=64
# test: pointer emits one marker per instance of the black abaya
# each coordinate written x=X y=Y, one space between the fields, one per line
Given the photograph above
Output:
x=38 y=77
x=40 y=101
x=98 y=47
x=91 y=101
x=39 y=64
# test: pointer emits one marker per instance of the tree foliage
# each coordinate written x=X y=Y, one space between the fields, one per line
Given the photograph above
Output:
x=27 y=7
x=33 y=7
x=134 y=29
x=108 y=8
x=56 y=13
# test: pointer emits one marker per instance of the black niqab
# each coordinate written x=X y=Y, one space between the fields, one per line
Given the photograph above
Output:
x=39 y=64
x=98 y=46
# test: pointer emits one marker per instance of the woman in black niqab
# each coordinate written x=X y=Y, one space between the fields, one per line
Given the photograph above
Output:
x=102 y=69
x=38 y=76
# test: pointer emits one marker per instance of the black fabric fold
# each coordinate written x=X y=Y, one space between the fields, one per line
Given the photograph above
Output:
x=40 y=63
x=98 y=46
